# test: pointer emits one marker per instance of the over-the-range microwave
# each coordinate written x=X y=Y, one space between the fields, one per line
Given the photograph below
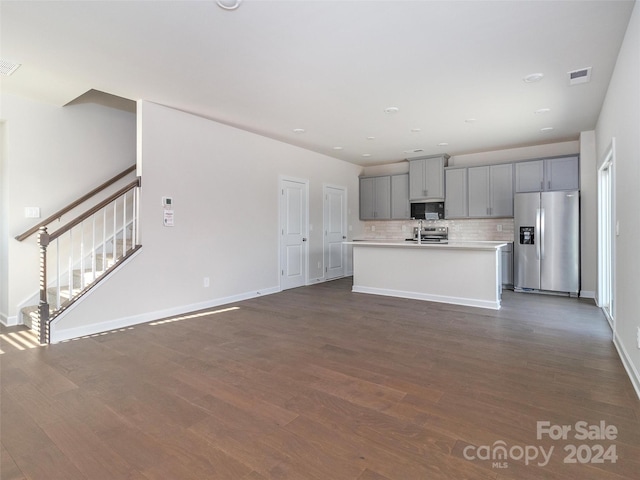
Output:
x=427 y=211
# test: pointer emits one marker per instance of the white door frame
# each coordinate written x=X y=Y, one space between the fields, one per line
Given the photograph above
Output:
x=607 y=226
x=325 y=242
x=305 y=229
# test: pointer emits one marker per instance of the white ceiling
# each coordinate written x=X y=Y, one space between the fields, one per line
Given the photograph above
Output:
x=332 y=67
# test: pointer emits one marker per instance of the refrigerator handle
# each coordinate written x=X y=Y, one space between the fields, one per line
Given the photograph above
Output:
x=541 y=243
x=537 y=234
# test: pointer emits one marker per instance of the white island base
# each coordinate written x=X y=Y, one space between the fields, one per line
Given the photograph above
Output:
x=465 y=273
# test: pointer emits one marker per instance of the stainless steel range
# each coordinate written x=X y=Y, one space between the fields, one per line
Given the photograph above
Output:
x=431 y=234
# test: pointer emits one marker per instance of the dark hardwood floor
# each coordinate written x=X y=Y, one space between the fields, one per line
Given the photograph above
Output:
x=319 y=383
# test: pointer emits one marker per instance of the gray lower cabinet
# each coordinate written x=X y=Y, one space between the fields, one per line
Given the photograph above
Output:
x=456 y=200
x=560 y=173
x=375 y=198
x=400 y=206
x=506 y=258
x=491 y=191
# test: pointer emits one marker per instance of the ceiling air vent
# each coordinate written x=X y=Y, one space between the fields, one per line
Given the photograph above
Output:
x=7 y=67
x=580 y=76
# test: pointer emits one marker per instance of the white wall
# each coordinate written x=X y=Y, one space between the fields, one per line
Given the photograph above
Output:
x=4 y=267
x=620 y=118
x=515 y=154
x=224 y=183
x=53 y=156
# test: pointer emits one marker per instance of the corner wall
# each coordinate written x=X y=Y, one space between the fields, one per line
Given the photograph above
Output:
x=225 y=187
x=620 y=119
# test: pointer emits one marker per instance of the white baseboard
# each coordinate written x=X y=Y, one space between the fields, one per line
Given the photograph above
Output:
x=469 y=302
x=8 y=321
x=60 y=335
x=587 y=294
x=634 y=376
x=313 y=281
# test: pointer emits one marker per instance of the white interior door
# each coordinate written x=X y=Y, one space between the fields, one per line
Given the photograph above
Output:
x=334 y=231
x=293 y=233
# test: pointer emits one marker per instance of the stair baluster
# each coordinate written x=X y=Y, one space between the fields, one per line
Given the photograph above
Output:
x=43 y=306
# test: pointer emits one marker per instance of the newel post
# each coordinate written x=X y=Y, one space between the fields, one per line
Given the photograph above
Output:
x=43 y=307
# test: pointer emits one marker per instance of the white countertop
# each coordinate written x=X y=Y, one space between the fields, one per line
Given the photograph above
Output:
x=478 y=245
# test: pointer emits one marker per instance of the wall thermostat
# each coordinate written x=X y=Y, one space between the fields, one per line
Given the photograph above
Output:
x=167 y=202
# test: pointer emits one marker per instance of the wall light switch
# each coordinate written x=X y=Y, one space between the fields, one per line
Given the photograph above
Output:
x=499 y=227
x=31 y=212
x=167 y=202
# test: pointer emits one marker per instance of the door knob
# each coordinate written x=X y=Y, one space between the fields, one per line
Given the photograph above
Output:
x=304 y=239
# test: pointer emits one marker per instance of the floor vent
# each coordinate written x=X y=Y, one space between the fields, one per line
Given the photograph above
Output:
x=580 y=76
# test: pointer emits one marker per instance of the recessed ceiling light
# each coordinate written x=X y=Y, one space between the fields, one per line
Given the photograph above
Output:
x=371 y=138
x=366 y=154
x=416 y=130
x=542 y=110
x=533 y=77
x=391 y=110
x=299 y=130
x=7 y=67
x=469 y=120
x=229 y=4
x=442 y=144
x=337 y=148
x=546 y=129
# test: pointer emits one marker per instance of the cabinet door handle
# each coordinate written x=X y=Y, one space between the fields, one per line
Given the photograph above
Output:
x=541 y=185
x=548 y=184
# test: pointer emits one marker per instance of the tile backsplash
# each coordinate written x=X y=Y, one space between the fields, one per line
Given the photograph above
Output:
x=464 y=230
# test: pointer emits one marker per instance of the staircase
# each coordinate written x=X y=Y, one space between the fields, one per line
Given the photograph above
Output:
x=82 y=280
x=77 y=256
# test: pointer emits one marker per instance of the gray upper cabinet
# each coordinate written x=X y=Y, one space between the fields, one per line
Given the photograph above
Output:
x=426 y=178
x=501 y=190
x=400 y=206
x=529 y=176
x=375 y=198
x=456 y=203
x=491 y=191
x=560 y=173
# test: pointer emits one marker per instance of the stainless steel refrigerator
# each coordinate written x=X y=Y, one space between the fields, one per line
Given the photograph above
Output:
x=547 y=244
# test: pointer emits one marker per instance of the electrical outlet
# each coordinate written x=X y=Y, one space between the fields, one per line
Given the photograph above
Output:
x=499 y=227
x=205 y=282
x=319 y=266
x=373 y=228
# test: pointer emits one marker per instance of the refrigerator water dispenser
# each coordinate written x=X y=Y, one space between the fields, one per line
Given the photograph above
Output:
x=527 y=236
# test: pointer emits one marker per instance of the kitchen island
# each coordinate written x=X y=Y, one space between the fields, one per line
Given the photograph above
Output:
x=463 y=273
